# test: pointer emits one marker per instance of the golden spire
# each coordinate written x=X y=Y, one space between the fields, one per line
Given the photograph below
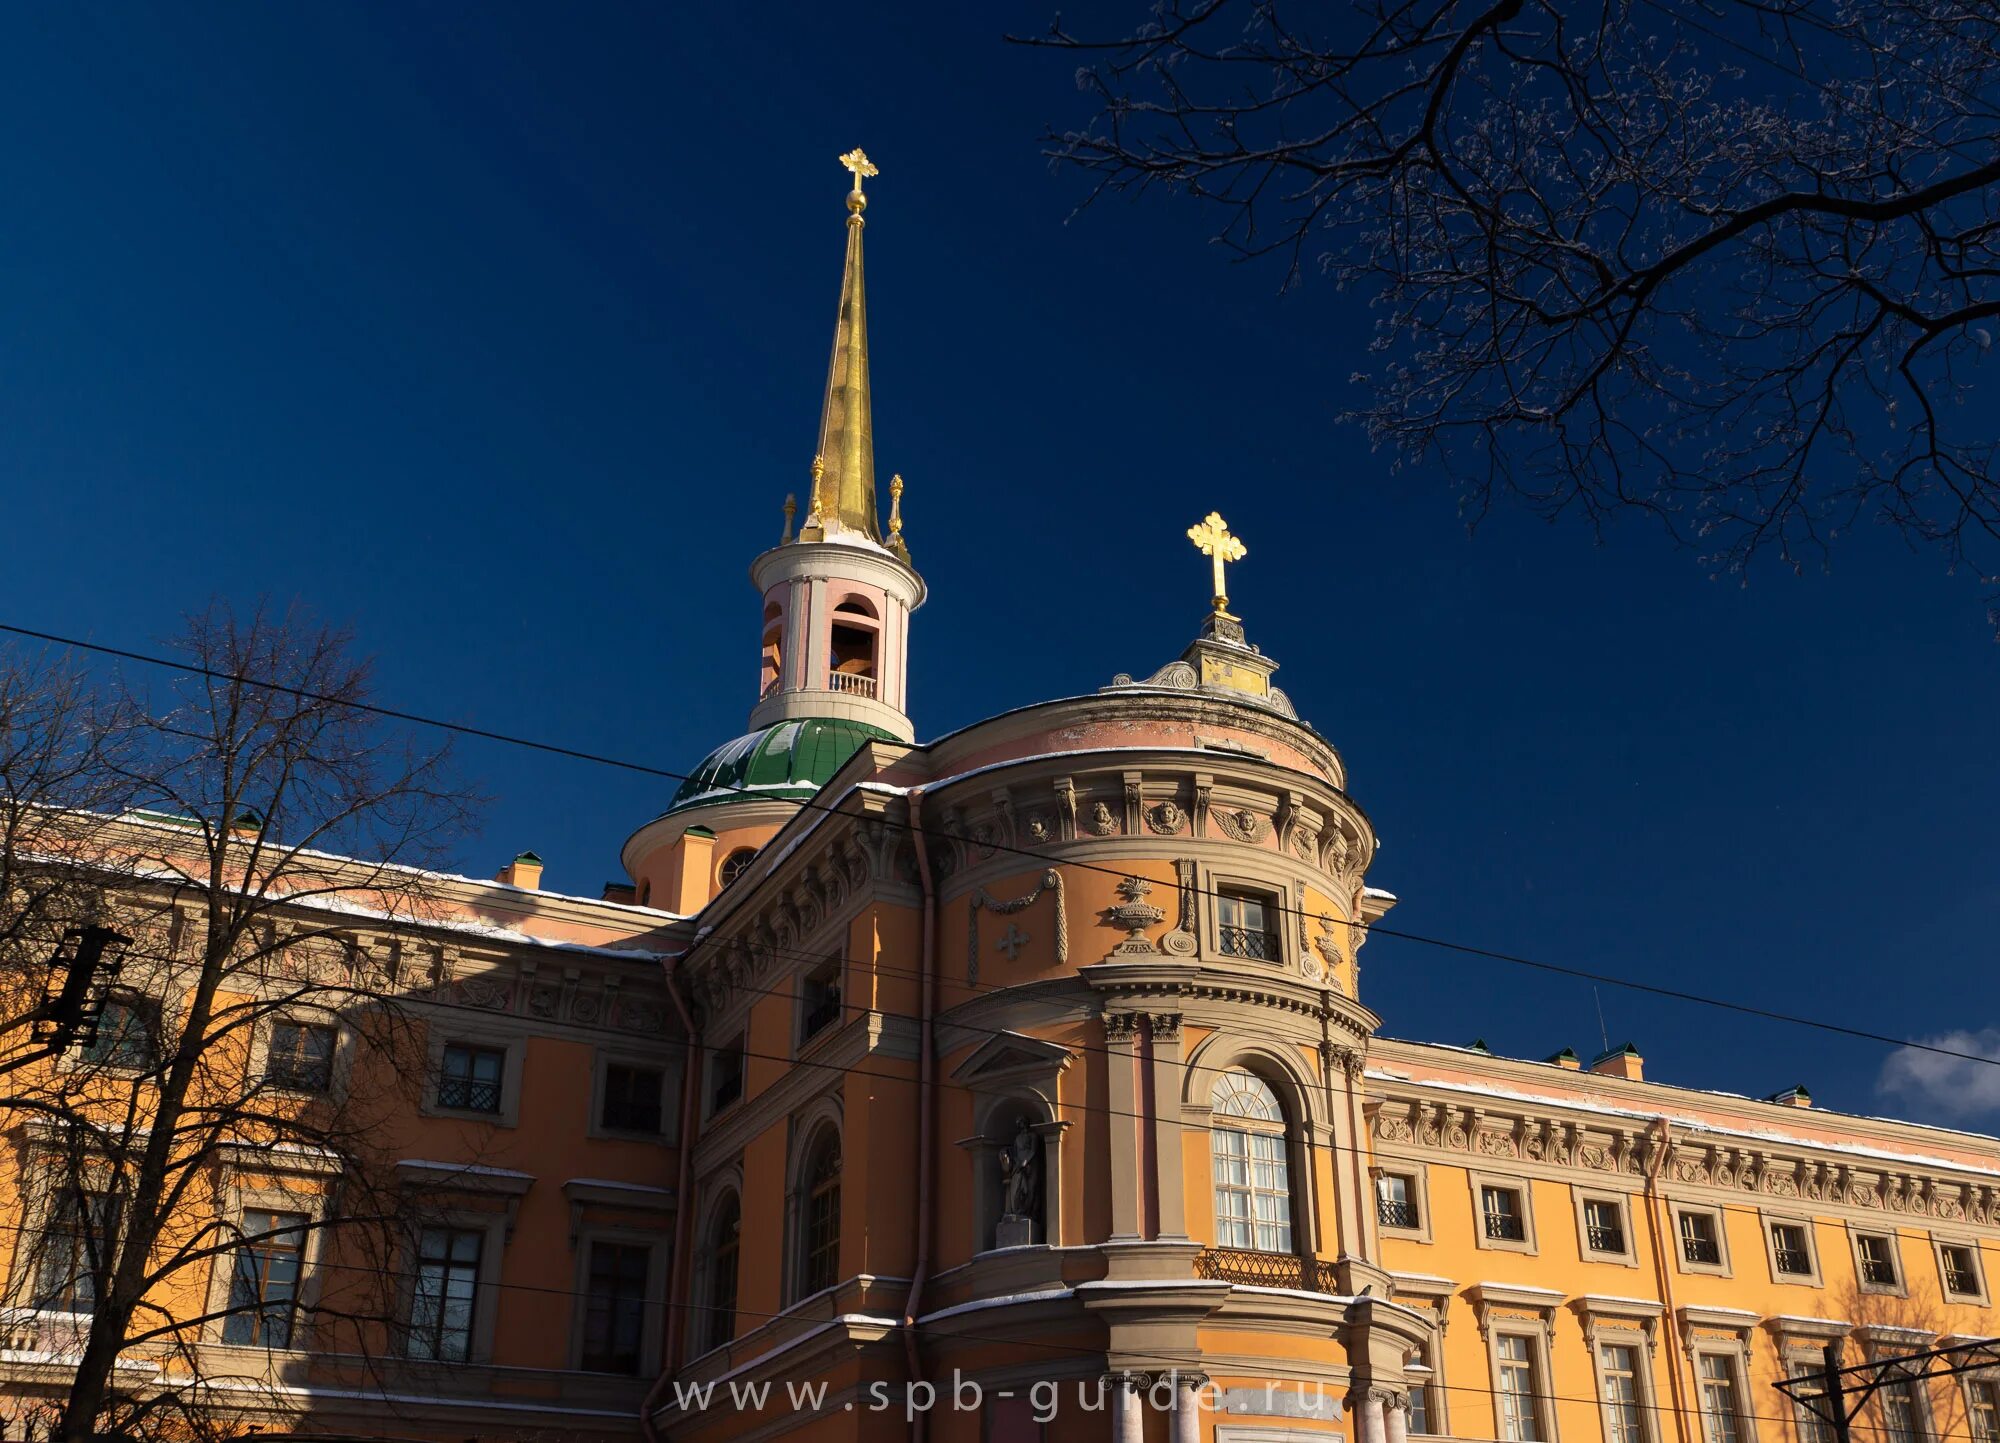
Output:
x=845 y=495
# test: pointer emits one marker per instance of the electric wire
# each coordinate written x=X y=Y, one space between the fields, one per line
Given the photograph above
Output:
x=812 y=804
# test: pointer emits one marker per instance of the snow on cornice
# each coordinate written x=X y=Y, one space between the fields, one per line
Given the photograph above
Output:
x=1694 y=1123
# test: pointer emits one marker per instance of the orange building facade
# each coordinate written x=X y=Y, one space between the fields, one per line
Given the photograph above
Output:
x=1018 y=1085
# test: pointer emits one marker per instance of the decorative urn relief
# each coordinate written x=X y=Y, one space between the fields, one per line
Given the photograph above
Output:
x=1135 y=914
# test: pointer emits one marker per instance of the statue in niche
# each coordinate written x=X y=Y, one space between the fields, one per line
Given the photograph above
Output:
x=1020 y=1187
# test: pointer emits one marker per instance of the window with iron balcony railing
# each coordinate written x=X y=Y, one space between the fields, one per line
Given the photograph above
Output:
x=1606 y=1238
x=1391 y=1213
x=1249 y=942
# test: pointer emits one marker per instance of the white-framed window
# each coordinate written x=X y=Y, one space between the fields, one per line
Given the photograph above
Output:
x=1700 y=1244
x=1982 y=1410
x=445 y=1296
x=1620 y=1376
x=819 y=1216
x=298 y=1056
x=1396 y=1202
x=1247 y=924
x=1248 y=1147
x=1877 y=1268
x=618 y=1274
x=1902 y=1413
x=1721 y=1399
x=265 y=1275
x=475 y=1074
x=725 y=1076
x=1814 y=1426
x=1959 y=1270
x=1504 y=1211
x=1793 y=1259
x=1604 y=1228
x=1518 y=1399
x=724 y=1253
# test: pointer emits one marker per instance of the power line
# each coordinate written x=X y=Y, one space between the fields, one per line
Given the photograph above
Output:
x=811 y=804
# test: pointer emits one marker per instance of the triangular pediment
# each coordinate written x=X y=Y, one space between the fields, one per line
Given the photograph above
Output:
x=1011 y=1057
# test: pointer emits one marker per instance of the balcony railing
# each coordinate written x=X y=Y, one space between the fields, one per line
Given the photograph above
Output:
x=1698 y=1249
x=468 y=1094
x=1605 y=1239
x=1266 y=1270
x=1506 y=1226
x=1957 y=1280
x=1793 y=1260
x=853 y=682
x=1393 y=1214
x=1250 y=942
x=1879 y=1271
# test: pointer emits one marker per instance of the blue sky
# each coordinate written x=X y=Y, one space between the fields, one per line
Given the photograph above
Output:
x=498 y=332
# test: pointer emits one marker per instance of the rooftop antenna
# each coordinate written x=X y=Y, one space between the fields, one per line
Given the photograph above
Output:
x=1602 y=1031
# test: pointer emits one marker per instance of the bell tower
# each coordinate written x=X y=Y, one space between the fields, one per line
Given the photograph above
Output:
x=838 y=593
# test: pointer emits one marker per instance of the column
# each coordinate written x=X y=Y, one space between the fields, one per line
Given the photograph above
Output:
x=819 y=635
x=1186 y=1420
x=1399 y=1418
x=1168 y=1075
x=1121 y=1122
x=1127 y=1420
x=1369 y=1424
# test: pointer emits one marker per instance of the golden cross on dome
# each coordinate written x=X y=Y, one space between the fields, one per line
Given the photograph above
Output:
x=1213 y=540
x=857 y=161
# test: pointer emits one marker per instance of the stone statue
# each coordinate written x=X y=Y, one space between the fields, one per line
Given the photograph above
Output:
x=1020 y=1174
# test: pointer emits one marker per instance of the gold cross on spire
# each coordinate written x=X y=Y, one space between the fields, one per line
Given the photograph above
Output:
x=1213 y=540
x=857 y=161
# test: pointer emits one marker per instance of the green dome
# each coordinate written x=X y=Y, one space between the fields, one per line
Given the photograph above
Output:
x=789 y=761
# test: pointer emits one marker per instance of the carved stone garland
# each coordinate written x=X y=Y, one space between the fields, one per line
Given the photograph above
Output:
x=1051 y=882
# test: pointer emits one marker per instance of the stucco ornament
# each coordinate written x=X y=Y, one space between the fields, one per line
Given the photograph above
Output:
x=1135 y=914
x=1101 y=820
x=1051 y=882
x=1240 y=825
x=1166 y=818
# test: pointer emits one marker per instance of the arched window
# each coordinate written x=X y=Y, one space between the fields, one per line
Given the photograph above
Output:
x=1253 y=1188
x=736 y=863
x=819 y=1216
x=723 y=1249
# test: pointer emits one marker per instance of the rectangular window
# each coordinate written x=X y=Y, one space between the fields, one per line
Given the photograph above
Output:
x=73 y=1252
x=446 y=1297
x=470 y=1078
x=1902 y=1421
x=1982 y=1408
x=1520 y=1417
x=1603 y=1225
x=614 y=1316
x=264 y=1287
x=819 y=999
x=300 y=1057
x=1813 y=1426
x=725 y=1075
x=1623 y=1420
x=125 y=1035
x=1791 y=1250
x=1699 y=1241
x=1501 y=1209
x=1395 y=1203
x=1875 y=1257
x=1959 y=1265
x=1253 y=1199
x=1420 y=1395
x=1719 y=1411
x=1246 y=921
x=632 y=1098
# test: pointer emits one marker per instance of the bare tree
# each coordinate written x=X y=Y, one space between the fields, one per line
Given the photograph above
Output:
x=1734 y=264
x=223 y=1124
